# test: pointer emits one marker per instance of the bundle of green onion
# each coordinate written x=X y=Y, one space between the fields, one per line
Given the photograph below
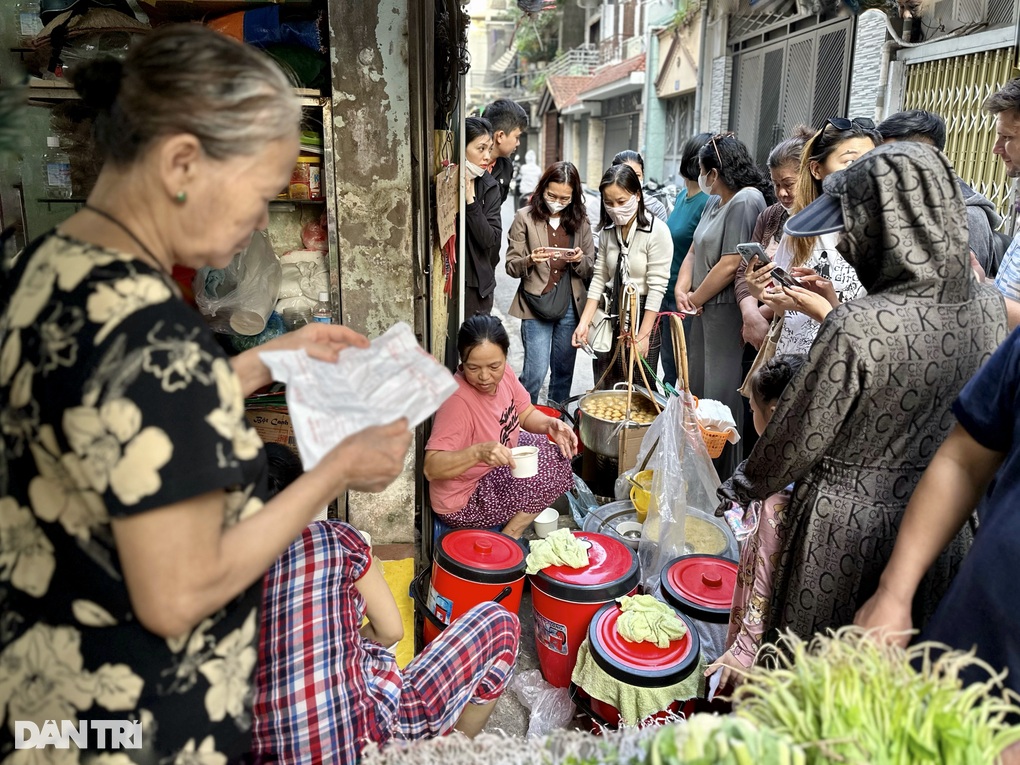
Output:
x=850 y=698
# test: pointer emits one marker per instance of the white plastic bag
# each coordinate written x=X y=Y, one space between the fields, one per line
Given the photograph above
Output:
x=684 y=478
x=551 y=707
x=239 y=298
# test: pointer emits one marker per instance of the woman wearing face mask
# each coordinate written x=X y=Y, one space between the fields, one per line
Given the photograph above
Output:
x=483 y=223
x=827 y=278
x=784 y=169
x=552 y=291
x=637 y=164
x=737 y=187
x=635 y=249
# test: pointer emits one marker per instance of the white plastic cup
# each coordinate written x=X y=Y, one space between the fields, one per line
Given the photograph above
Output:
x=546 y=522
x=526 y=459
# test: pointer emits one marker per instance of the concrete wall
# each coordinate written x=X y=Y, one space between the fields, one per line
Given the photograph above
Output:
x=372 y=134
x=717 y=118
x=596 y=143
x=866 y=69
x=654 y=138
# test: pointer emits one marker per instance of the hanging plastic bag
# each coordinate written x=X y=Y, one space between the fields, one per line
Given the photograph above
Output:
x=551 y=707
x=684 y=479
x=239 y=298
x=581 y=501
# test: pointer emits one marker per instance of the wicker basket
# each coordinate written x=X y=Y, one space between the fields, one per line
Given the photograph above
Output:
x=715 y=441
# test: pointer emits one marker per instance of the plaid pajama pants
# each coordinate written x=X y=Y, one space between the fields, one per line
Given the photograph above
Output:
x=471 y=662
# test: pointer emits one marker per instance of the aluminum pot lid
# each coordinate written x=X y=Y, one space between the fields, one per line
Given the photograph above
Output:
x=481 y=556
x=700 y=585
x=612 y=571
x=642 y=664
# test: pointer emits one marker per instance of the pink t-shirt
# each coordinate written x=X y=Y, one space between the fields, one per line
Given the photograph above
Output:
x=467 y=418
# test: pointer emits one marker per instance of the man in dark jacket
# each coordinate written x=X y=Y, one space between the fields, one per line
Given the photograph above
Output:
x=982 y=218
x=508 y=120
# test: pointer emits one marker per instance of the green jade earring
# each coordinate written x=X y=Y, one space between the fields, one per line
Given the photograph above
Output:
x=182 y=197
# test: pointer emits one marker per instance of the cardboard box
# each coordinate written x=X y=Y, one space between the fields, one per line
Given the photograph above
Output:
x=630 y=445
x=272 y=424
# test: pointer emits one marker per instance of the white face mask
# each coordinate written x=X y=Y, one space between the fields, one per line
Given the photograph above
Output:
x=473 y=170
x=555 y=207
x=704 y=185
x=621 y=215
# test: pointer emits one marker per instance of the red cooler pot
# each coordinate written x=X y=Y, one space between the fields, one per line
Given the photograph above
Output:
x=470 y=567
x=701 y=587
x=565 y=600
x=638 y=664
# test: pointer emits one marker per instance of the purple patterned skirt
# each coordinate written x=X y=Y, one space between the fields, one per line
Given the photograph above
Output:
x=499 y=496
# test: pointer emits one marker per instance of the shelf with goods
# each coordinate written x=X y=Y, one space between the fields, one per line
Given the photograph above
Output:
x=41 y=210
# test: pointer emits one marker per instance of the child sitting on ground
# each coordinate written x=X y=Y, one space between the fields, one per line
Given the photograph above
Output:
x=326 y=685
x=769 y=524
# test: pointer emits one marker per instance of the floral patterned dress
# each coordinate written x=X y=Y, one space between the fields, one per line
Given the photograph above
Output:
x=114 y=400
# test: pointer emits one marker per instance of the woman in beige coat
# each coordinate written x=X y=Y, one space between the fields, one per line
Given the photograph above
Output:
x=552 y=252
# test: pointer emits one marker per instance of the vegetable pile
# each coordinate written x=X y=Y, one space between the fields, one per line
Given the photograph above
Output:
x=848 y=697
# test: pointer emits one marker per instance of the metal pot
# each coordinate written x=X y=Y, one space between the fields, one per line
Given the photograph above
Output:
x=602 y=436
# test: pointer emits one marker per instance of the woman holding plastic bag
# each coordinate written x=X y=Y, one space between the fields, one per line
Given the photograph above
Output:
x=634 y=254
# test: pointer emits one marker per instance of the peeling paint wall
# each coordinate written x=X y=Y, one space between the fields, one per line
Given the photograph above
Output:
x=375 y=213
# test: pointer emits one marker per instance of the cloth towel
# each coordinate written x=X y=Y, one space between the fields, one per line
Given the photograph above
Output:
x=560 y=548
x=647 y=620
x=632 y=702
x=716 y=416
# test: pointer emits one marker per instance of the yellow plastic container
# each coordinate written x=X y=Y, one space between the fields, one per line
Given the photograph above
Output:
x=642 y=497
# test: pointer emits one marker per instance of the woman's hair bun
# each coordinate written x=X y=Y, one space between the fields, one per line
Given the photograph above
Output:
x=803 y=132
x=98 y=82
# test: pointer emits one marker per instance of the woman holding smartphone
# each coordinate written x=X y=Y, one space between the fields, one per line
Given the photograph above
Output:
x=824 y=278
x=635 y=251
x=552 y=252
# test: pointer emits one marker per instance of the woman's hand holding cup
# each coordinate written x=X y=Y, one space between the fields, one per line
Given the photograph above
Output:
x=494 y=454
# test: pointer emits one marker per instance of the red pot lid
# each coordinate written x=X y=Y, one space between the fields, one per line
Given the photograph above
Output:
x=479 y=555
x=612 y=571
x=700 y=585
x=642 y=664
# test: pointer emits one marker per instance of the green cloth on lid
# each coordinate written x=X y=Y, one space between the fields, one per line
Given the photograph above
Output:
x=645 y=619
x=633 y=703
x=560 y=548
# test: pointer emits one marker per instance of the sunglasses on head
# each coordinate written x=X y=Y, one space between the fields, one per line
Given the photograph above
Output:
x=842 y=123
x=715 y=144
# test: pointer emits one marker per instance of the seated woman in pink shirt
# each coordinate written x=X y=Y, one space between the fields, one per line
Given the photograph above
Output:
x=468 y=459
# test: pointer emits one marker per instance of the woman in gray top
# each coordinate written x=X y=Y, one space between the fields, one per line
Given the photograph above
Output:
x=737 y=189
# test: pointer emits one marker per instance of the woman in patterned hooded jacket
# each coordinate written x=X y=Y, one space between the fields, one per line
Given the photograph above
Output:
x=857 y=426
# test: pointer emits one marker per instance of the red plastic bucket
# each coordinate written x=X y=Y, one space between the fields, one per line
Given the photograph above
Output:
x=565 y=600
x=639 y=664
x=701 y=587
x=470 y=567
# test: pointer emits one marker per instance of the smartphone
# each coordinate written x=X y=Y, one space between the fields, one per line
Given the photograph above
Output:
x=749 y=250
x=556 y=252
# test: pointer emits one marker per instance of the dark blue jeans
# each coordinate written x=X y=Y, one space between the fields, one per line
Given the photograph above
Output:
x=547 y=344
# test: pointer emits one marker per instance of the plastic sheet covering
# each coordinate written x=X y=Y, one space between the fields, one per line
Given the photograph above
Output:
x=551 y=707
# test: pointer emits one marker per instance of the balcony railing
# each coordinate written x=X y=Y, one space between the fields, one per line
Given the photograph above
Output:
x=610 y=49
